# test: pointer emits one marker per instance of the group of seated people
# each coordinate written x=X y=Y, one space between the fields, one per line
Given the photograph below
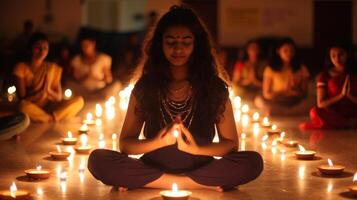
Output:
x=279 y=86
x=39 y=82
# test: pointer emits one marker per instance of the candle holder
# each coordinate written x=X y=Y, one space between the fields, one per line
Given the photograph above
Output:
x=83 y=129
x=331 y=169
x=69 y=140
x=265 y=123
x=83 y=149
x=303 y=154
x=14 y=193
x=56 y=155
x=291 y=143
x=273 y=130
x=38 y=173
x=175 y=194
x=353 y=190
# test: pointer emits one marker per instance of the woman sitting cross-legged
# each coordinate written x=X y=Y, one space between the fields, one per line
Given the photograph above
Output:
x=179 y=92
x=39 y=86
x=336 y=93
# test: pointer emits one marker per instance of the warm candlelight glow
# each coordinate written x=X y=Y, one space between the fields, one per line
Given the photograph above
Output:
x=174 y=188
x=175 y=133
x=84 y=127
x=111 y=100
x=256 y=116
x=84 y=140
x=237 y=115
x=39 y=167
x=69 y=134
x=243 y=136
x=11 y=90
x=329 y=162
x=301 y=148
x=274 y=127
x=265 y=138
x=114 y=136
x=101 y=141
x=237 y=102
x=245 y=108
x=13 y=190
x=68 y=93
x=63 y=176
x=39 y=191
x=89 y=116
x=282 y=135
x=58 y=148
x=98 y=122
x=245 y=120
x=355 y=178
x=98 y=110
x=255 y=129
x=274 y=143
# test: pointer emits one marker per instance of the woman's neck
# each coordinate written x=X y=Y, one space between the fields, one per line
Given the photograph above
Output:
x=36 y=63
x=179 y=73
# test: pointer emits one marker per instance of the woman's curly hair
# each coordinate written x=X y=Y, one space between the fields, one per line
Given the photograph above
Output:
x=203 y=70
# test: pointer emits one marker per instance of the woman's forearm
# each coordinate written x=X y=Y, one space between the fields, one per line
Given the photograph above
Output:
x=135 y=146
x=217 y=149
x=329 y=102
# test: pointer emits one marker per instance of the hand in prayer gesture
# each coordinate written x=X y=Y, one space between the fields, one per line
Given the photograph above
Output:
x=165 y=135
x=185 y=141
x=345 y=88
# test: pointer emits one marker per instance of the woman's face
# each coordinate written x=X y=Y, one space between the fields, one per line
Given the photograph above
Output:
x=286 y=52
x=253 y=51
x=338 y=57
x=178 y=44
x=40 y=50
x=88 y=47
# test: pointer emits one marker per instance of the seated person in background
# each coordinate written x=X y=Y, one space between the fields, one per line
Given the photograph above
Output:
x=63 y=59
x=248 y=73
x=336 y=93
x=285 y=82
x=92 y=71
x=39 y=85
x=179 y=89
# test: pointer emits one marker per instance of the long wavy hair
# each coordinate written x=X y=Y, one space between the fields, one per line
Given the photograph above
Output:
x=203 y=69
x=275 y=61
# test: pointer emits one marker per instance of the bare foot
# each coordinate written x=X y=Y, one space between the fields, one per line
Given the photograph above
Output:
x=219 y=189
x=122 y=189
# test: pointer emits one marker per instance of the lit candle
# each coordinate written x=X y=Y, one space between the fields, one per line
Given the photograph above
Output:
x=89 y=120
x=331 y=169
x=69 y=140
x=101 y=141
x=291 y=143
x=38 y=173
x=243 y=136
x=353 y=188
x=237 y=114
x=282 y=136
x=176 y=133
x=14 y=193
x=98 y=110
x=114 y=136
x=111 y=100
x=84 y=129
x=303 y=154
x=255 y=117
x=266 y=123
x=256 y=129
x=11 y=93
x=245 y=108
x=245 y=120
x=175 y=193
x=84 y=148
x=274 y=130
x=67 y=93
x=59 y=154
x=237 y=102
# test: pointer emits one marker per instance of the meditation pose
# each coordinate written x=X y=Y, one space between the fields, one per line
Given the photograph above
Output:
x=336 y=93
x=285 y=82
x=180 y=100
x=39 y=86
x=92 y=71
x=248 y=73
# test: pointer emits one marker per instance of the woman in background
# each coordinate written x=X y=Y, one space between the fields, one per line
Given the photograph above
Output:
x=285 y=82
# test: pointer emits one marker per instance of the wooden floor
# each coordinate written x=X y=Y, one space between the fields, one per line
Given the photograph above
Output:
x=284 y=177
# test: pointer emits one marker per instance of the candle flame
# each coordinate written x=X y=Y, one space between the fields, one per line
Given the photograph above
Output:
x=256 y=116
x=13 y=190
x=274 y=143
x=111 y=100
x=243 y=136
x=39 y=167
x=237 y=102
x=329 y=162
x=282 y=135
x=274 y=127
x=174 y=188
x=301 y=148
x=69 y=134
x=265 y=121
x=114 y=136
x=245 y=108
x=355 y=177
x=98 y=122
x=245 y=120
x=175 y=133
x=101 y=136
x=84 y=140
x=68 y=93
x=58 y=148
x=84 y=127
x=11 y=90
x=98 y=110
x=89 y=116
x=264 y=138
